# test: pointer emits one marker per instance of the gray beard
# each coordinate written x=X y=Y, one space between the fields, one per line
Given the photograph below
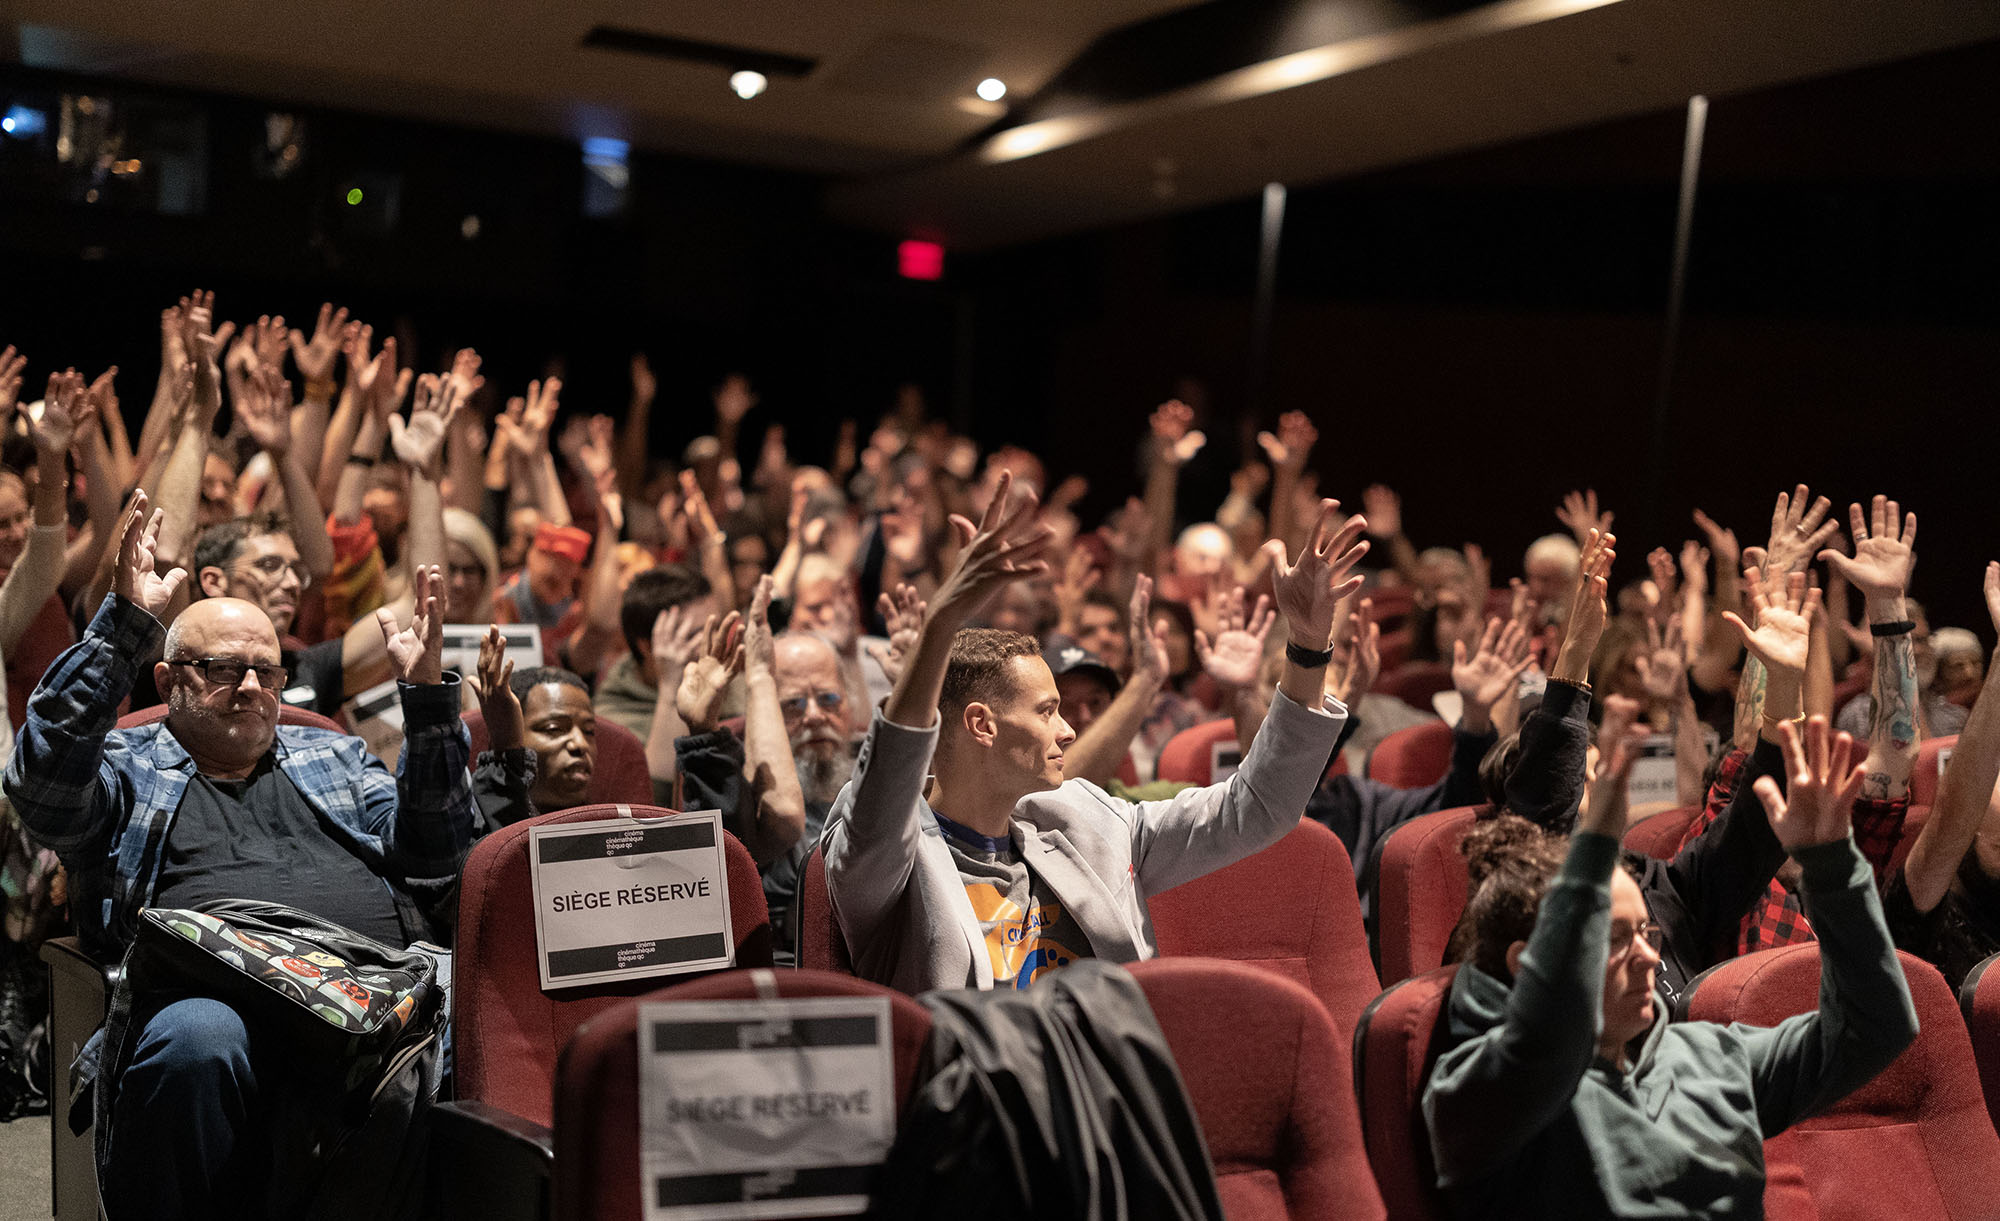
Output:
x=822 y=778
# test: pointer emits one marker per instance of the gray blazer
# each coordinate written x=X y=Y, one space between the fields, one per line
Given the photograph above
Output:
x=901 y=903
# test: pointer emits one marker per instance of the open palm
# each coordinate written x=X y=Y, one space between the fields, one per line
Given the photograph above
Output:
x=1784 y=621
x=1883 y=554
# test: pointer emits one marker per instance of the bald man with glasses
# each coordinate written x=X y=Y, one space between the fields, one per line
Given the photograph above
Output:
x=220 y=801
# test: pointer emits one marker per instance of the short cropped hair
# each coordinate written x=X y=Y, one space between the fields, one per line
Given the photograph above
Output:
x=977 y=671
x=527 y=680
x=1560 y=548
x=651 y=594
x=221 y=543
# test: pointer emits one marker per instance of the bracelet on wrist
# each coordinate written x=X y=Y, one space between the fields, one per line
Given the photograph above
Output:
x=321 y=390
x=1580 y=684
x=1307 y=659
x=1899 y=627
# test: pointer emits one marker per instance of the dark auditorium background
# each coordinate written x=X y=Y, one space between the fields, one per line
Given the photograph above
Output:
x=1481 y=330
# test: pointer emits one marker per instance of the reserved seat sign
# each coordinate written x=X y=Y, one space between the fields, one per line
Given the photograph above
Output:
x=626 y=898
x=773 y=1108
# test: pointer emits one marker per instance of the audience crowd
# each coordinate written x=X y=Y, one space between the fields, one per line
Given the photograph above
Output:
x=922 y=662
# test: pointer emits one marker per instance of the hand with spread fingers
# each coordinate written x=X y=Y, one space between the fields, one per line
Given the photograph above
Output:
x=1586 y=608
x=1146 y=642
x=1237 y=652
x=1007 y=545
x=1357 y=656
x=903 y=619
x=418 y=650
x=1579 y=512
x=1784 y=620
x=493 y=684
x=1884 y=550
x=1488 y=674
x=1308 y=592
x=706 y=679
x=1798 y=532
x=134 y=579
x=1817 y=807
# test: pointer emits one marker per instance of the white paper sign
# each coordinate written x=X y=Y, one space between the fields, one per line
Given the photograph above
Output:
x=1654 y=779
x=1944 y=761
x=1223 y=760
x=461 y=646
x=777 y=1108
x=377 y=717
x=626 y=898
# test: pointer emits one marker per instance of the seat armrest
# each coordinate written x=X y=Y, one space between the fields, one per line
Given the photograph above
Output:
x=488 y=1164
x=67 y=959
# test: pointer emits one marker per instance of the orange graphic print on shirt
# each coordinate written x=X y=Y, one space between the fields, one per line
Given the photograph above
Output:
x=1014 y=942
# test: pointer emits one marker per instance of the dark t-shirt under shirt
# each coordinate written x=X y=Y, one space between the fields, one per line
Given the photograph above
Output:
x=258 y=838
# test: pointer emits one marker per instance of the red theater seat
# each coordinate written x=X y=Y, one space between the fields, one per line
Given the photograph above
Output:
x=1394 y=1049
x=1416 y=682
x=597 y=1083
x=1412 y=758
x=1659 y=835
x=1270 y=1081
x=287 y=715
x=617 y=775
x=507 y=1030
x=1915 y=1142
x=1290 y=909
x=1979 y=1000
x=1421 y=890
x=1187 y=755
x=821 y=947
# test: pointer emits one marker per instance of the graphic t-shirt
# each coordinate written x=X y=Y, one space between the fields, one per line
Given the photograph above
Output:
x=1028 y=930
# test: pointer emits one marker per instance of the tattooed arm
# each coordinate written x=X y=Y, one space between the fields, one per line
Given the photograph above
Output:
x=1880 y=569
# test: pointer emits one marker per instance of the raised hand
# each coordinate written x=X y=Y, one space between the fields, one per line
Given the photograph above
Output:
x=1721 y=541
x=1175 y=439
x=315 y=357
x=11 y=365
x=1489 y=673
x=1294 y=441
x=418 y=650
x=264 y=404
x=903 y=617
x=1079 y=577
x=1619 y=740
x=1825 y=778
x=1147 y=644
x=1238 y=650
x=1579 y=512
x=1357 y=655
x=902 y=526
x=62 y=407
x=1662 y=666
x=1586 y=605
x=677 y=639
x=493 y=684
x=134 y=579
x=1006 y=546
x=1784 y=620
x=1666 y=584
x=1797 y=533
x=1309 y=592
x=644 y=385
x=1992 y=589
x=706 y=678
x=464 y=375
x=1383 y=509
x=1128 y=537
x=1694 y=566
x=419 y=442
x=1883 y=550
x=204 y=342
x=538 y=413
x=733 y=400
x=695 y=512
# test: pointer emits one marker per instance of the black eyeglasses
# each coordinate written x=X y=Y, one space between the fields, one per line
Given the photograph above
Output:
x=229 y=671
x=272 y=569
x=1623 y=939
x=829 y=702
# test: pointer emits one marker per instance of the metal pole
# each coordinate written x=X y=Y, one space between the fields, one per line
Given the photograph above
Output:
x=1267 y=286
x=1656 y=469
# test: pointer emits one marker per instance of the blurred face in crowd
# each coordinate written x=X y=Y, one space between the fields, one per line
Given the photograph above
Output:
x=218 y=491
x=822 y=604
x=222 y=723
x=748 y=556
x=266 y=572
x=1202 y=551
x=521 y=525
x=1548 y=583
x=14 y=519
x=562 y=731
x=464 y=584
x=1018 y=610
x=818 y=719
x=551 y=577
x=1960 y=671
x=1439 y=569
x=1084 y=698
x=1100 y=631
x=388 y=510
x=1180 y=648
x=1449 y=623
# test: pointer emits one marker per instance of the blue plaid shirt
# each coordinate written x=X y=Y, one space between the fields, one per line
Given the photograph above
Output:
x=104 y=799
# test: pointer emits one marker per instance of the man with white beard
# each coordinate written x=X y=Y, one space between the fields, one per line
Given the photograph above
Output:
x=819 y=722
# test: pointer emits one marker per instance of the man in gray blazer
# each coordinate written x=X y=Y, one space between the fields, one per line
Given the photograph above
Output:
x=958 y=856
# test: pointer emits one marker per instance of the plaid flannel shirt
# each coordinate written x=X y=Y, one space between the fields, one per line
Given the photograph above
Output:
x=1777 y=918
x=104 y=799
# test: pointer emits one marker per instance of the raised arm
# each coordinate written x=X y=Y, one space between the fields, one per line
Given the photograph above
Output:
x=1865 y=1017
x=1288 y=450
x=427 y=825
x=1546 y=784
x=1100 y=748
x=1880 y=569
x=1969 y=787
x=315 y=359
x=1171 y=442
x=33 y=579
x=180 y=485
x=266 y=411
x=105 y=478
x=634 y=439
x=776 y=815
x=1384 y=511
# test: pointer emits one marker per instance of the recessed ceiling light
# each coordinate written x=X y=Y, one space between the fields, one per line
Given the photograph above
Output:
x=992 y=89
x=747 y=84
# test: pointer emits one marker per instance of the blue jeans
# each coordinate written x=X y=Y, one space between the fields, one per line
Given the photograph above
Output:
x=190 y=1135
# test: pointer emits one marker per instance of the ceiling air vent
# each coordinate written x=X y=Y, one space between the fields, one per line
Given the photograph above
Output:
x=692 y=51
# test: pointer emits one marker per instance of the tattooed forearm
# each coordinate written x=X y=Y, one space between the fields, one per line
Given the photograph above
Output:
x=1892 y=728
x=1750 y=692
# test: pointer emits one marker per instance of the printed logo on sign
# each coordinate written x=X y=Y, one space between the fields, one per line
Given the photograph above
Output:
x=627 y=898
